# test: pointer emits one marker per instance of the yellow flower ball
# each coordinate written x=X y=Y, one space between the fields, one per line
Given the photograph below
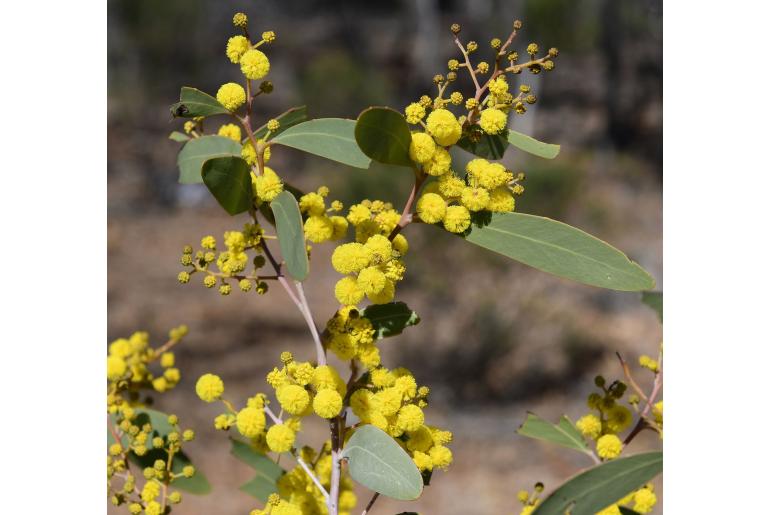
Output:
x=361 y=403
x=266 y=186
x=499 y=86
x=350 y=258
x=250 y=422
x=501 y=200
x=249 y=154
x=414 y=113
x=410 y=418
x=371 y=280
x=423 y=461
x=590 y=426
x=618 y=418
x=492 y=175
x=116 y=368
x=493 y=121
x=421 y=148
x=230 y=130
x=444 y=127
x=439 y=163
x=209 y=387
x=644 y=500
x=387 y=294
x=319 y=229
x=254 y=64
x=326 y=377
x=348 y=292
x=387 y=401
x=231 y=95
x=340 y=226
x=457 y=219
x=280 y=438
x=609 y=447
x=293 y=398
x=441 y=456
x=475 y=199
x=431 y=208
x=450 y=186
x=286 y=508
x=327 y=403
x=400 y=244
x=380 y=248
x=236 y=47
x=312 y=203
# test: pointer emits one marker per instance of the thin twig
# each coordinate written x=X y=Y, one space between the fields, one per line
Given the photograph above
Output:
x=320 y=353
x=371 y=503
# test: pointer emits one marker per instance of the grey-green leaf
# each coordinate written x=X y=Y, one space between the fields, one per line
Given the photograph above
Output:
x=287 y=119
x=595 y=489
x=532 y=146
x=194 y=102
x=559 y=249
x=332 y=138
x=390 y=319
x=197 y=150
x=268 y=472
x=383 y=135
x=179 y=137
x=291 y=234
x=229 y=180
x=376 y=461
x=486 y=145
x=654 y=299
x=564 y=433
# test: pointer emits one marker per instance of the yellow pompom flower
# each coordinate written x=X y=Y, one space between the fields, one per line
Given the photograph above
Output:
x=371 y=280
x=431 y=208
x=387 y=401
x=231 y=95
x=116 y=367
x=326 y=377
x=414 y=113
x=249 y=154
x=361 y=403
x=266 y=186
x=457 y=219
x=501 y=200
x=387 y=294
x=499 y=86
x=618 y=418
x=358 y=214
x=150 y=491
x=422 y=460
x=421 y=148
x=292 y=398
x=351 y=258
x=312 y=203
x=410 y=418
x=340 y=227
x=491 y=175
x=286 y=508
x=348 y=292
x=493 y=121
x=439 y=163
x=380 y=248
x=444 y=127
x=209 y=387
x=644 y=500
x=250 y=422
x=450 y=186
x=441 y=456
x=254 y=64
x=590 y=426
x=648 y=363
x=319 y=228
x=327 y=403
x=609 y=447
x=400 y=244
x=280 y=438
x=230 y=130
x=475 y=199
x=236 y=47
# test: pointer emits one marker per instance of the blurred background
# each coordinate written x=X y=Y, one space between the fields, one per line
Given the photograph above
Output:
x=497 y=338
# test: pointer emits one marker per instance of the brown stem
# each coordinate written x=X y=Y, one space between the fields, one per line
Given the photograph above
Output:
x=371 y=503
x=406 y=215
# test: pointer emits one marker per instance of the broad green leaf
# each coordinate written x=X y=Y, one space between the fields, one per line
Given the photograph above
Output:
x=564 y=433
x=194 y=102
x=288 y=119
x=532 y=146
x=485 y=145
x=264 y=208
x=559 y=249
x=264 y=482
x=383 y=135
x=291 y=234
x=654 y=299
x=197 y=150
x=229 y=180
x=602 y=485
x=331 y=138
x=179 y=137
x=390 y=319
x=376 y=461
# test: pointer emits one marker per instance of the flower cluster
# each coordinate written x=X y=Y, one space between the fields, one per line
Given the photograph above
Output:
x=319 y=225
x=231 y=262
x=351 y=336
x=140 y=437
x=451 y=199
x=641 y=501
